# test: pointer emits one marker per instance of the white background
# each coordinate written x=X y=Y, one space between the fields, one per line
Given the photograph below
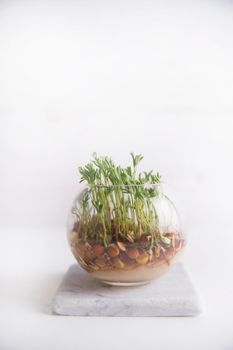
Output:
x=153 y=77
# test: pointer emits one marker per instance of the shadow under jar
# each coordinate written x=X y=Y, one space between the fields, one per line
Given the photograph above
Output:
x=125 y=235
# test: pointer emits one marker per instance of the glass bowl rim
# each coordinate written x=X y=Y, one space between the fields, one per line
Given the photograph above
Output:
x=147 y=184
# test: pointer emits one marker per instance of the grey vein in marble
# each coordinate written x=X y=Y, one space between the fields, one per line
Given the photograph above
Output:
x=173 y=294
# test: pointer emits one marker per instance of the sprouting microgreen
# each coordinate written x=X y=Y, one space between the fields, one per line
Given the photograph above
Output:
x=117 y=196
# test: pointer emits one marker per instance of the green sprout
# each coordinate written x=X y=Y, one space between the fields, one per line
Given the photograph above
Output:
x=117 y=202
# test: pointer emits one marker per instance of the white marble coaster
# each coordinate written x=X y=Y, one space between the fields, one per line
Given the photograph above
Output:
x=173 y=294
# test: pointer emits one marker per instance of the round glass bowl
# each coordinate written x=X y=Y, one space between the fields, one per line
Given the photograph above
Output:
x=125 y=235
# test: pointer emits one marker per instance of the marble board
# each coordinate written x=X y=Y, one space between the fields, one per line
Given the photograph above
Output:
x=173 y=294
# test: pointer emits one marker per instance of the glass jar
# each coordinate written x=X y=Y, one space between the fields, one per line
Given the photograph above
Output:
x=131 y=236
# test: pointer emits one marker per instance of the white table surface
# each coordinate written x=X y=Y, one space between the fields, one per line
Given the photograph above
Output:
x=35 y=267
